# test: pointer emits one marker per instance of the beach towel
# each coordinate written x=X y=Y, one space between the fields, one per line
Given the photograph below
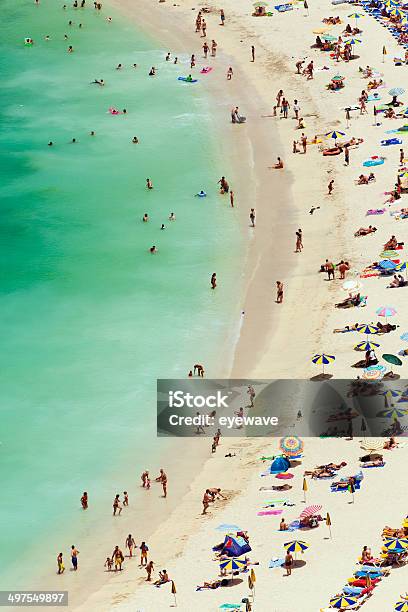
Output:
x=284 y=7
x=367 y=467
x=269 y=512
x=375 y=211
x=349 y=590
x=275 y=562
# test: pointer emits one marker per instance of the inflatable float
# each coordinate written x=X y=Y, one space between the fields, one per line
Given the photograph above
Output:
x=201 y=194
x=374 y=161
x=114 y=111
x=187 y=80
x=206 y=70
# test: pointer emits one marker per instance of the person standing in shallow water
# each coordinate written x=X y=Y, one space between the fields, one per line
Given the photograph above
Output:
x=213 y=280
x=74 y=557
x=279 y=292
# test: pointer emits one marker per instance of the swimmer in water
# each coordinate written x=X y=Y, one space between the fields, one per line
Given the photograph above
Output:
x=92 y=133
x=172 y=217
x=201 y=194
x=175 y=60
x=119 y=67
x=152 y=71
x=124 y=111
x=70 y=49
x=153 y=249
x=145 y=218
x=168 y=56
x=100 y=82
x=47 y=38
x=65 y=36
x=109 y=19
x=50 y=143
x=135 y=140
x=149 y=184
x=73 y=140
x=163 y=226
x=134 y=65
x=213 y=280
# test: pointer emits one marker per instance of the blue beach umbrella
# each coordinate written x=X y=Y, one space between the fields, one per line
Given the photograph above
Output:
x=366 y=346
x=396 y=13
x=404 y=337
x=367 y=330
x=396 y=545
x=393 y=413
x=396 y=91
x=343 y=602
x=335 y=135
x=232 y=564
x=401 y=606
x=352 y=41
x=323 y=359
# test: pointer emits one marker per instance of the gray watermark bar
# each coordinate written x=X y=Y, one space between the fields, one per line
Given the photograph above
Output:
x=196 y=407
x=16 y=599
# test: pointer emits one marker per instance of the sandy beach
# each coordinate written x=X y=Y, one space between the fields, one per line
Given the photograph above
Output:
x=278 y=340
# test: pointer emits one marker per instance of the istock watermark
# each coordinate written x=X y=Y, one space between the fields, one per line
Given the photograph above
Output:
x=196 y=407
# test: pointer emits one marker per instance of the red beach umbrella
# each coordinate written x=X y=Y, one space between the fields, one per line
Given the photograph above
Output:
x=310 y=511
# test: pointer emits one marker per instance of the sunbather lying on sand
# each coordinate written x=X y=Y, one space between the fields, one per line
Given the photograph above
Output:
x=390 y=444
x=364 y=231
x=385 y=329
x=332 y=466
x=320 y=473
x=364 y=179
x=397 y=281
x=346 y=328
x=374 y=84
x=375 y=463
x=212 y=585
x=350 y=301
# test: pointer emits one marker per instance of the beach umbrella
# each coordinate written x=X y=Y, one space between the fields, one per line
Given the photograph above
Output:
x=232 y=564
x=366 y=346
x=393 y=413
x=174 y=591
x=391 y=393
x=388 y=254
x=386 y=264
x=391 y=3
x=386 y=311
x=352 y=41
x=310 y=511
x=323 y=359
x=351 y=285
x=402 y=266
x=355 y=16
x=367 y=329
x=285 y=476
x=343 y=601
x=372 y=444
x=401 y=606
x=392 y=359
x=335 y=134
x=328 y=523
x=228 y=527
x=396 y=544
x=371 y=374
x=304 y=488
x=396 y=13
x=328 y=37
x=296 y=546
x=396 y=91
x=291 y=446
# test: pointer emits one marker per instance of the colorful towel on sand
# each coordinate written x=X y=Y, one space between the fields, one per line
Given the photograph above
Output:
x=275 y=562
x=269 y=512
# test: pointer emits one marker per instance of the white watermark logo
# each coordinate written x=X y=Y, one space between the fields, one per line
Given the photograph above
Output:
x=180 y=399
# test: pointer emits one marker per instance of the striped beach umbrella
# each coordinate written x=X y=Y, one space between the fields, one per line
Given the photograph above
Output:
x=323 y=359
x=396 y=544
x=391 y=3
x=291 y=446
x=389 y=254
x=390 y=393
x=310 y=511
x=232 y=564
x=356 y=16
x=401 y=606
x=343 y=602
x=335 y=134
x=366 y=346
x=396 y=12
x=402 y=266
x=367 y=329
x=296 y=546
x=404 y=337
x=352 y=41
x=393 y=413
x=387 y=264
x=386 y=311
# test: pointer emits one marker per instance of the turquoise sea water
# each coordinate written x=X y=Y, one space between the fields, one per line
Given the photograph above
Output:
x=89 y=319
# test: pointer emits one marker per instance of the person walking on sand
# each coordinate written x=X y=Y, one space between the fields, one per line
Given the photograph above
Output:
x=117 y=505
x=232 y=199
x=346 y=155
x=222 y=17
x=144 y=549
x=285 y=108
x=203 y=29
x=213 y=280
x=299 y=66
x=343 y=267
x=207 y=499
x=279 y=292
x=279 y=95
x=296 y=108
x=229 y=73
x=402 y=157
x=251 y=393
x=117 y=558
x=149 y=570
x=329 y=266
x=74 y=557
x=330 y=187
x=60 y=564
x=253 y=53
x=162 y=478
x=213 y=48
x=206 y=49
x=252 y=217
x=130 y=544
x=125 y=498
x=303 y=140
x=299 y=244
x=288 y=563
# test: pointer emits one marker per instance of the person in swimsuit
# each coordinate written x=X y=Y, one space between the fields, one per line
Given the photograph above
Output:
x=84 y=500
x=213 y=280
x=117 y=505
x=117 y=558
x=130 y=544
x=279 y=292
x=143 y=553
x=74 y=557
x=288 y=563
x=163 y=479
x=60 y=564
